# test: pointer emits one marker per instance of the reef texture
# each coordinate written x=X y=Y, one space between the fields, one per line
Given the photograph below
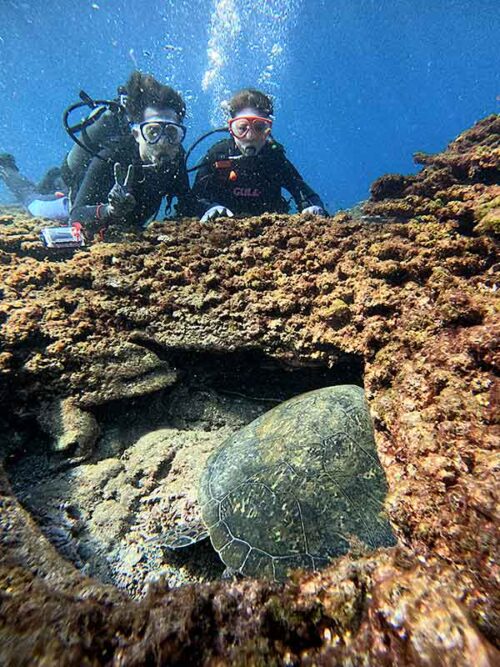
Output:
x=413 y=299
x=460 y=184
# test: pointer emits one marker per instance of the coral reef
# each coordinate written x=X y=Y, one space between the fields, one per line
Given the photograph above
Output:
x=459 y=185
x=411 y=302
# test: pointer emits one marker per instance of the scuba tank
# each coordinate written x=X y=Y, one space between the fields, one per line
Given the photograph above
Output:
x=105 y=125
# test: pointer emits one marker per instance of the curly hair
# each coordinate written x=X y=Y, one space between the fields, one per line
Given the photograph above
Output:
x=143 y=90
x=250 y=98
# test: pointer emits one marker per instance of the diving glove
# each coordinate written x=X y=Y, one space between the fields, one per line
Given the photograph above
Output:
x=121 y=201
x=314 y=210
x=216 y=212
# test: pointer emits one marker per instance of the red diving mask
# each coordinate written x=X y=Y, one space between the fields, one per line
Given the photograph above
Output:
x=240 y=126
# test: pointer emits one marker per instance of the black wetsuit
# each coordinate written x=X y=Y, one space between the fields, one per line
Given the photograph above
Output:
x=148 y=187
x=250 y=185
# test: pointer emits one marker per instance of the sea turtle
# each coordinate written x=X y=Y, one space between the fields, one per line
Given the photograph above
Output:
x=294 y=487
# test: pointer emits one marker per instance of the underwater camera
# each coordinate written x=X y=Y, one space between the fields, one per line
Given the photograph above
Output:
x=70 y=236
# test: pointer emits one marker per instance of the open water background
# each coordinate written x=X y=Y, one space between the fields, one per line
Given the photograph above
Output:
x=360 y=84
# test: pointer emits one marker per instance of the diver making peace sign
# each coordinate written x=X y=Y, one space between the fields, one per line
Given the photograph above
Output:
x=142 y=134
x=121 y=201
x=151 y=152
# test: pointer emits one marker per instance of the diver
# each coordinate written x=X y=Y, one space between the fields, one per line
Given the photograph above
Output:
x=126 y=180
x=48 y=199
x=244 y=174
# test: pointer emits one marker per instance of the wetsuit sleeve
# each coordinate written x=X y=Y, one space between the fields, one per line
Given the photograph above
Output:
x=205 y=188
x=302 y=193
x=187 y=204
x=93 y=192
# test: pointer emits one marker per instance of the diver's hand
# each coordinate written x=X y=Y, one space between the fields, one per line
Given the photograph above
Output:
x=314 y=210
x=215 y=212
x=121 y=201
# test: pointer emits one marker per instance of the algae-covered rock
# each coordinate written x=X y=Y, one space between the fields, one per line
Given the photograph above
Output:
x=121 y=371
x=337 y=314
x=459 y=184
x=72 y=429
x=488 y=217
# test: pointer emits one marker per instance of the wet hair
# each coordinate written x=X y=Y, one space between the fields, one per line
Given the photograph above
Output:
x=250 y=98
x=143 y=90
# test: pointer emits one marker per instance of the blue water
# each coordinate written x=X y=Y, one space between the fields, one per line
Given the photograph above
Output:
x=359 y=84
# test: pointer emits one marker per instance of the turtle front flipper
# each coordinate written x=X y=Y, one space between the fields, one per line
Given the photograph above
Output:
x=183 y=535
x=230 y=574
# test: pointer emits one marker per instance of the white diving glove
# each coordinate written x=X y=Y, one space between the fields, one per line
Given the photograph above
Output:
x=314 y=210
x=215 y=212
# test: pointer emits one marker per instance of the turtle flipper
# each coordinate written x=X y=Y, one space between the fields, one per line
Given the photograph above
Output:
x=183 y=535
x=230 y=574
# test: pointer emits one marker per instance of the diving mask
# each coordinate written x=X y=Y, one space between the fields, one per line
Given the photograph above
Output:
x=240 y=126
x=153 y=130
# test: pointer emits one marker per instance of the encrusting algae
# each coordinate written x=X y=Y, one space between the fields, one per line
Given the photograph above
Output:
x=408 y=291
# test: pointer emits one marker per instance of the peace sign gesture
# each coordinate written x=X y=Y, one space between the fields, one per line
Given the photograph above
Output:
x=120 y=199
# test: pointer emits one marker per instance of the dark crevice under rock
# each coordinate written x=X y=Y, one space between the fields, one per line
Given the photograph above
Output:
x=215 y=394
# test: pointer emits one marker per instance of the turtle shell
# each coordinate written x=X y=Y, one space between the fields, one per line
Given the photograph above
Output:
x=296 y=486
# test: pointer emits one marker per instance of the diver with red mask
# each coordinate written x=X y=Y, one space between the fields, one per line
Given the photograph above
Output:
x=245 y=173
